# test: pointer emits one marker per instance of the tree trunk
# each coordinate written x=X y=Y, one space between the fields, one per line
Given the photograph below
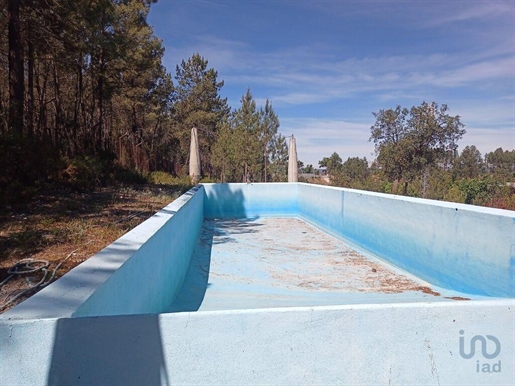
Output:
x=16 y=71
x=41 y=90
x=30 y=69
x=265 y=157
x=395 y=186
x=100 y=89
x=59 y=113
x=77 y=108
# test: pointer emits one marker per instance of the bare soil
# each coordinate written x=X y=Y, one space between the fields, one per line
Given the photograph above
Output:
x=67 y=227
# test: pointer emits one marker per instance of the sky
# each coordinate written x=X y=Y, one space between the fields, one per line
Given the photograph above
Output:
x=327 y=65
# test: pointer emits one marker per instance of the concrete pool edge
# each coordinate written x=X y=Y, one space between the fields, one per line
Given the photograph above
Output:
x=360 y=344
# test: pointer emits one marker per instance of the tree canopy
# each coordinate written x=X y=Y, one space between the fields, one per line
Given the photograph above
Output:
x=409 y=141
x=501 y=162
x=249 y=145
x=84 y=80
x=469 y=164
x=332 y=163
x=83 y=92
x=197 y=104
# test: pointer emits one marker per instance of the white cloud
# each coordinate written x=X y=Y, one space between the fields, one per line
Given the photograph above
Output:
x=221 y=53
x=475 y=10
x=493 y=113
x=487 y=140
x=472 y=72
x=296 y=98
x=316 y=73
x=482 y=71
x=319 y=138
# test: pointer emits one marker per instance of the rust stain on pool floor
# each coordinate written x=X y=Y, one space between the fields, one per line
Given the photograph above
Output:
x=286 y=262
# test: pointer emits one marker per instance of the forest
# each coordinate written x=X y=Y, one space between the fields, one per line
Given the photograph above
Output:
x=417 y=155
x=85 y=101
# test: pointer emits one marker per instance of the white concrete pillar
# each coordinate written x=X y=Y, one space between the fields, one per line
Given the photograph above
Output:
x=194 y=157
x=293 y=173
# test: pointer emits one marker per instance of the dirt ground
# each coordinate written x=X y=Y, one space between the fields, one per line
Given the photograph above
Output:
x=62 y=229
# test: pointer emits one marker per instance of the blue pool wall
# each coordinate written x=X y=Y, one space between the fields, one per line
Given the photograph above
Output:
x=150 y=279
x=460 y=247
x=250 y=200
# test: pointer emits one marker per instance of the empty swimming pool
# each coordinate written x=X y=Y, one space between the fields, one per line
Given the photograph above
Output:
x=286 y=262
x=280 y=284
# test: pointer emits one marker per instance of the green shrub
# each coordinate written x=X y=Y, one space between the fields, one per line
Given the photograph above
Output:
x=388 y=188
x=455 y=194
x=127 y=176
x=161 y=178
x=89 y=171
x=207 y=180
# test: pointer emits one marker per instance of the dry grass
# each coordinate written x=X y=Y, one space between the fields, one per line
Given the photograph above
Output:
x=54 y=224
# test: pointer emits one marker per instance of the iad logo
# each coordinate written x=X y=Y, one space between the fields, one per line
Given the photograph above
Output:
x=485 y=367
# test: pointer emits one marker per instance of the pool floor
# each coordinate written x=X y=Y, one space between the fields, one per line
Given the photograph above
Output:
x=286 y=262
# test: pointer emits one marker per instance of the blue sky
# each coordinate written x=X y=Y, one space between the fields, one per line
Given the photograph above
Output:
x=327 y=65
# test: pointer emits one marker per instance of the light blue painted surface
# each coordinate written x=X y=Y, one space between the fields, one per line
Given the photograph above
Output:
x=470 y=249
x=285 y=262
x=460 y=247
x=250 y=200
x=149 y=280
x=397 y=344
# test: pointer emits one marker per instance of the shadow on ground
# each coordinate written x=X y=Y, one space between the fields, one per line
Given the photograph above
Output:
x=124 y=350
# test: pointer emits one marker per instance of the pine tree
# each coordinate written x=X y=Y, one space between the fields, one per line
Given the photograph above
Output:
x=91 y=84
x=198 y=104
x=246 y=123
x=267 y=132
x=223 y=153
x=279 y=159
